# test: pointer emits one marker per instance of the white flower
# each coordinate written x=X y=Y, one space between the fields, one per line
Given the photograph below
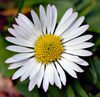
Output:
x=46 y=51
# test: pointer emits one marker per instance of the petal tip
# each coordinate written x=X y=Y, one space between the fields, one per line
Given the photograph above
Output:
x=75 y=76
x=45 y=90
x=29 y=89
x=87 y=26
x=7 y=61
x=10 y=68
x=13 y=77
x=70 y=9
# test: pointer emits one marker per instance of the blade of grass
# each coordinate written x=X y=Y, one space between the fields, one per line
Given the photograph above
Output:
x=78 y=89
x=84 y=11
x=11 y=19
x=69 y=91
x=20 y=6
x=92 y=69
x=97 y=95
x=19 y=10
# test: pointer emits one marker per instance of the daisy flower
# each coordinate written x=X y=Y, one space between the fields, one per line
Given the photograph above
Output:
x=47 y=50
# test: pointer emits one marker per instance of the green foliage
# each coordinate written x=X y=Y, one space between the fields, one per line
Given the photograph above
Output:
x=21 y=6
x=70 y=91
x=4 y=54
x=87 y=9
x=23 y=88
x=56 y=92
x=78 y=89
x=93 y=72
x=93 y=18
x=97 y=69
x=98 y=95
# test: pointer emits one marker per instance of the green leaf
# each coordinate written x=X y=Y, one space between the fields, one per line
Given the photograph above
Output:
x=62 y=6
x=97 y=69
x=92 y=29
x=97 y=95
x=93 y=18
x=79 y=90
x=69 y=91
x=90 y=95
x=92 y=69
x=4 y=54
x=97 y=43
x=81 y=4
x=87 y=9
x=37 y=2
x=54 y=91
x=23 y=89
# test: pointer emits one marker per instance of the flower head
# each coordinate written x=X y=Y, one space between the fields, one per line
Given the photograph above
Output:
x=46 y=51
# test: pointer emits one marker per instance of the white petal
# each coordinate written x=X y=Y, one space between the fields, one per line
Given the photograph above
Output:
x=54 y=18
x=27 y=21
x=19 y=73
x=61 y=73
x=37 y=23
x=62 y=21
x=23 y=34
x=65 y=16
x=46 y=80
x=67 y=23
x=67 y=68
x=79 y=40
x=18 y=31
x=72 y=65
x=19 y=49
x=37 y=79
x=16 y=65
x=79 y=52
x=77 y=23
x=30 y=30
x=56 y=77
x=49 y=18
x=75 y=59
x=19 y=57
x=50 y=73
x=30 y=35
x=13 y=32
x=80 y=46
x=21 y=42
x=33 y=74
x=40 y=75
x=43 y=19
x=35 y=69
x=74 y=26
x=75 y=33
x=27 y=73
x=22 y=70
x=32 y=84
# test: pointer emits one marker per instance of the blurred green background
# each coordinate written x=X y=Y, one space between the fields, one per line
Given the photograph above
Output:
x=88 y=84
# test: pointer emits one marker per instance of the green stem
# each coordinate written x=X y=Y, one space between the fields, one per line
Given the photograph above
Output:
x=20 y=7
x=92 y=69
x=12 y=19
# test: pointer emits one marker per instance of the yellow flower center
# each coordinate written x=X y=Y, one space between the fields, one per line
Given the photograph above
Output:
x=48 y=48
